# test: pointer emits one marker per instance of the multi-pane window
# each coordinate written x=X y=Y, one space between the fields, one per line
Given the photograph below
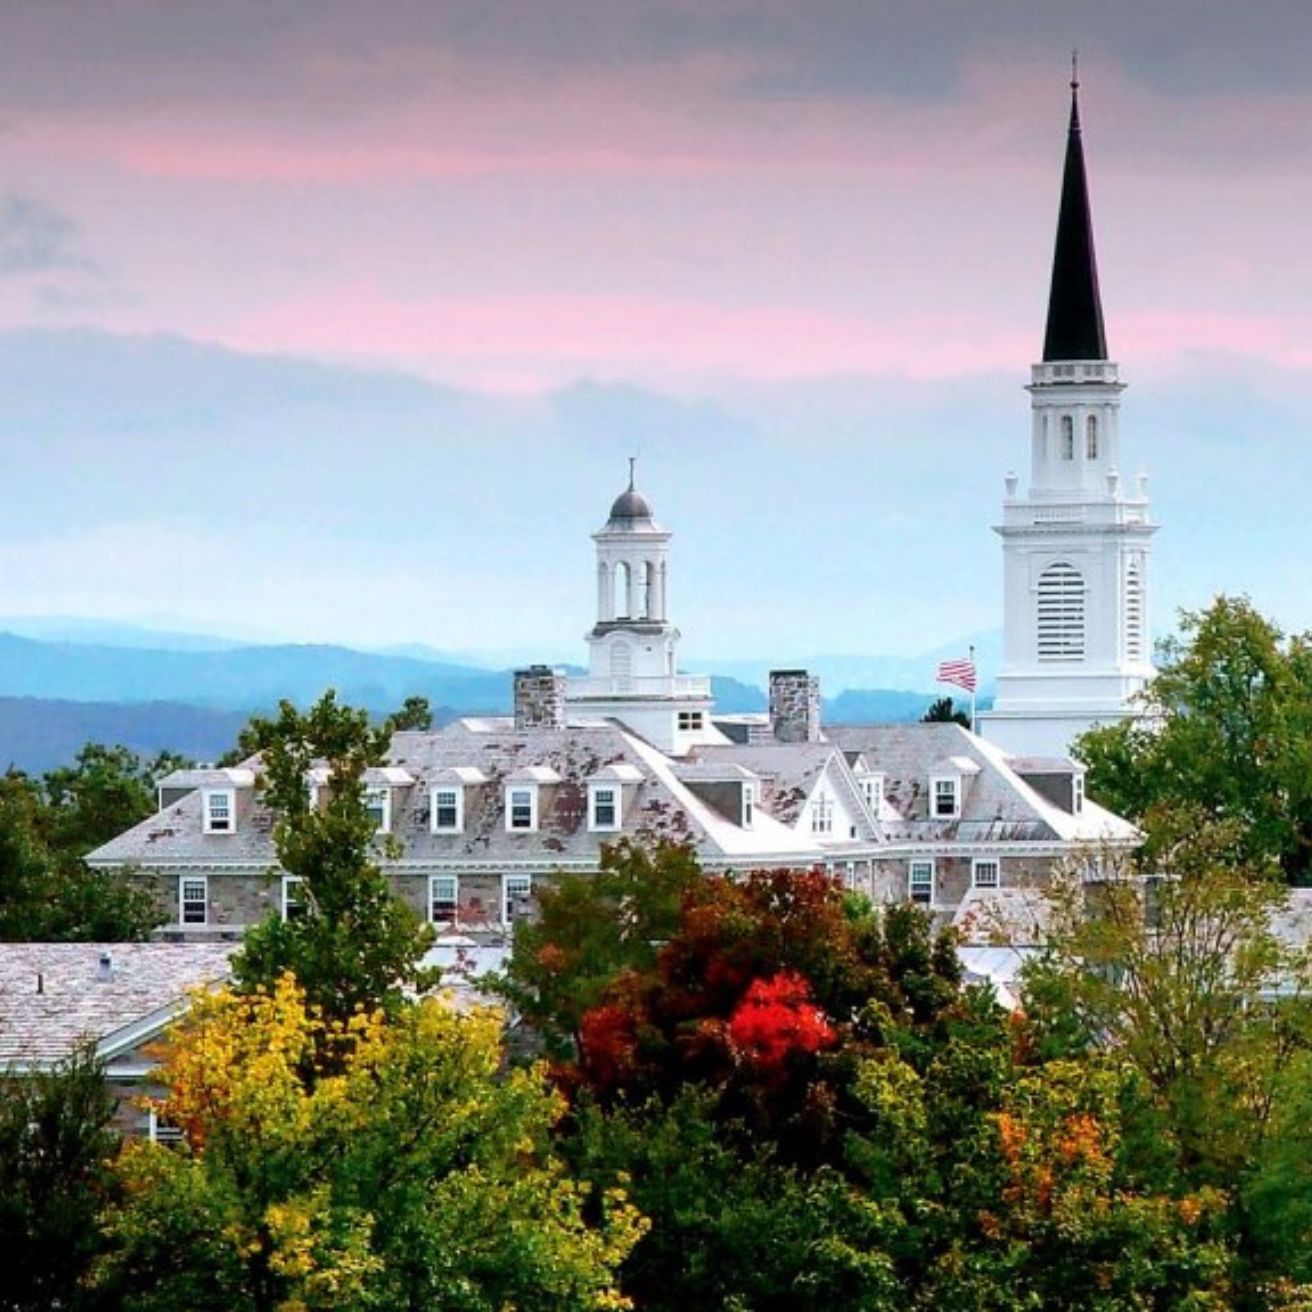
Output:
x=1067 y=438
x=984 y=874
x=219 y=808
x=947 y=798
x=822 y=814
x=920 y=882
x=872 y=789
x=378 y=802
x=1091 y=438
x=749 y=805
x=516 y=892
x=1077 y=794
x=521 y=808
x=690 y=721
x=605 y=808
x=294 y=904
x=443 y=898
x=193 y=900
x=448 y=810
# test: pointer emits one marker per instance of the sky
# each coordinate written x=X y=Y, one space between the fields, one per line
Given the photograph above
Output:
x=331 y=321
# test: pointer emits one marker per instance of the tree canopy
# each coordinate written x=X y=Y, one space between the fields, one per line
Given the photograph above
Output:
x=1227 y=734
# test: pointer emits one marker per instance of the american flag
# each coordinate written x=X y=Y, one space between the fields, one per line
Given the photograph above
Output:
x=960 y=672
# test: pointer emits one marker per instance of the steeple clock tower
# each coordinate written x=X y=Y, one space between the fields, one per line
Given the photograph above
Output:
x=1077 y=644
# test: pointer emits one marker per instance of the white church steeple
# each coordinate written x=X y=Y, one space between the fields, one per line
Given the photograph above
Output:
x=1075 y=544
x=632 y=648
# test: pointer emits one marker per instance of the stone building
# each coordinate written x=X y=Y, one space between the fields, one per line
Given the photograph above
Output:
x=483 y=810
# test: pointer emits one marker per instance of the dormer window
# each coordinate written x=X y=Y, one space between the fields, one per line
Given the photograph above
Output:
x=378 y=802
x=749 y=805
x=945 y=797
x=604 y=802
x=448 y=810
x=1077 y=794
x=522 y=808
x=220 y=810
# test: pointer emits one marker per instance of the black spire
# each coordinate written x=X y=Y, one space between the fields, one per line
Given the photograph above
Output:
x=1075 y=330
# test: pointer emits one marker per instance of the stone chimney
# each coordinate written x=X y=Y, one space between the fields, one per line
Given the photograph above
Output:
x=539 y=698
x=794 y=706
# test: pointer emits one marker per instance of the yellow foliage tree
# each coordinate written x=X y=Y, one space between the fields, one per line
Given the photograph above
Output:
x=366 y=1163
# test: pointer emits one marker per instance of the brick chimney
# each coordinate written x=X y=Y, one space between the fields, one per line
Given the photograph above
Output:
x=794 y=706
x=539 y=698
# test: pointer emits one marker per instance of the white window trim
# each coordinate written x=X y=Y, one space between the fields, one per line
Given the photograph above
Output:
x=455 y=899
x=933 y=879
x=1077 y=794
x=459 y=826
x=748 y=805
x=690 y=721
x=872 y=791
x=207 y=797
x=289 y=882
x=385 y=793
x=978 y=861
x=525 y=881
x=822 y=813
x=183 y=881
x=618 y=795
x=532 y=791
x=955 y=781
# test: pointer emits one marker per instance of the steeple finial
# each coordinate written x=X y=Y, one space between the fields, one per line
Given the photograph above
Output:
x=633 y=464
x=1075 y=327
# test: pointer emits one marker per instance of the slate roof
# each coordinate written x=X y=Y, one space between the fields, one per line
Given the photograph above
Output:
x=997 y=805
x=74 y=1006
x=788 y=772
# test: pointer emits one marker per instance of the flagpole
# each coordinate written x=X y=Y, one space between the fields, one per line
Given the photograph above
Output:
x=974 y=728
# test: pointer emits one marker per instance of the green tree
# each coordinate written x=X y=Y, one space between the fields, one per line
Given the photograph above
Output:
x=47 y=893
x=591 y=928
x=415 y=713
x=1228 y=735
x=944 y=711
x=358 y=946
x=374 y=1163
x=56 y=1145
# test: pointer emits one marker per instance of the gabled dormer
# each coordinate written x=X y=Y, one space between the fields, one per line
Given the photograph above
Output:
x=730 y=789
x=524 y=797
x=449 y=797
x=948 y=786
x=610 y=791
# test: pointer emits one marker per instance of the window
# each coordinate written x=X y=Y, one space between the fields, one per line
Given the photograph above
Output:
x=872 y=789
x=605 y=807
x=443 y=898
x=849 y=876
x=220 y=809
x=1091 y=437
x=448 y=810
x=522 y=808
x=984 y=874
x=1060 y=627
x=1067 y=438
x=378 y=802
x=822 y=814
x=1077 y=794
x=749 y=805
x=920 y=882
x=1134 y=645
x=516 y=891
x=691 y=721
x=946 y=798
x=294 y=905
x=193 y=900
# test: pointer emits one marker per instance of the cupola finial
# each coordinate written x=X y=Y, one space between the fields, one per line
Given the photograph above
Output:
x=633 y=465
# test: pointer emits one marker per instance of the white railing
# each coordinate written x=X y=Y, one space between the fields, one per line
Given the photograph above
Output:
x=646 y=685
